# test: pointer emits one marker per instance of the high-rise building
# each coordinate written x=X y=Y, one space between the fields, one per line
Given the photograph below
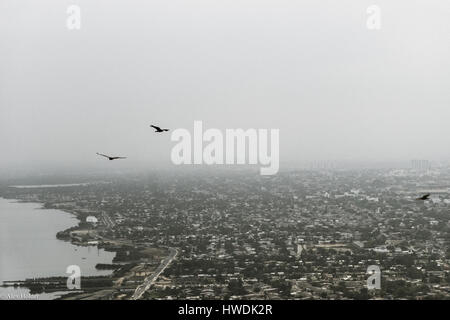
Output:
x=420 y=164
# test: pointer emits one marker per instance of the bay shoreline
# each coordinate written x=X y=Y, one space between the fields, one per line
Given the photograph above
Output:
x=32 y=283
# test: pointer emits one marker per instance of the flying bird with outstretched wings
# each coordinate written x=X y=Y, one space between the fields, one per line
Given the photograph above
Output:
x=424 y=197
x=109 y=157
x=158 y=129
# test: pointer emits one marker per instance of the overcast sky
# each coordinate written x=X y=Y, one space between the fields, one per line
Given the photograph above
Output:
x=335 y=89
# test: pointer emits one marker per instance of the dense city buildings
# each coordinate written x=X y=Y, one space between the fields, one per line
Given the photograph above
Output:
x=309 y=234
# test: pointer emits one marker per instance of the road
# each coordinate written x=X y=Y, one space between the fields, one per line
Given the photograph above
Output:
x=109 y=223
x=150 y=280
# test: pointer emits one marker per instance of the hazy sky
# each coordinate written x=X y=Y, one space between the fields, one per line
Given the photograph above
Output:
x=335 y=89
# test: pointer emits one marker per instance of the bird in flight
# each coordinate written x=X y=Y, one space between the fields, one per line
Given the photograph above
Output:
x=424 y=197
x=158 y=129
x=109 y=157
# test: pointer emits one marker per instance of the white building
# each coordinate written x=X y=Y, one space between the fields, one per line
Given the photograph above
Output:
x=92 y=219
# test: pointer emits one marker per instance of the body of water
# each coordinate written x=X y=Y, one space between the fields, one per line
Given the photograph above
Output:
x=29 y=248
x=50 y=185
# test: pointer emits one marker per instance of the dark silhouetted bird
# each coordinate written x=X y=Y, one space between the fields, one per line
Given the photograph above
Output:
x=424 y=197
x=110 y=158
x=158 y=129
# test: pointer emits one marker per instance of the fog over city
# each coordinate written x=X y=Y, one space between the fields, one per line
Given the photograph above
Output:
x=335 y=89
x=229 y=156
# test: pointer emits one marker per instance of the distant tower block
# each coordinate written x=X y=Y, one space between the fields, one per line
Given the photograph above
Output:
x=420 y=164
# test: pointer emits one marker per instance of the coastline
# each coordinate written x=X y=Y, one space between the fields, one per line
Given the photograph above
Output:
x=72 y=213
x=12 y=287
x=116 y=277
